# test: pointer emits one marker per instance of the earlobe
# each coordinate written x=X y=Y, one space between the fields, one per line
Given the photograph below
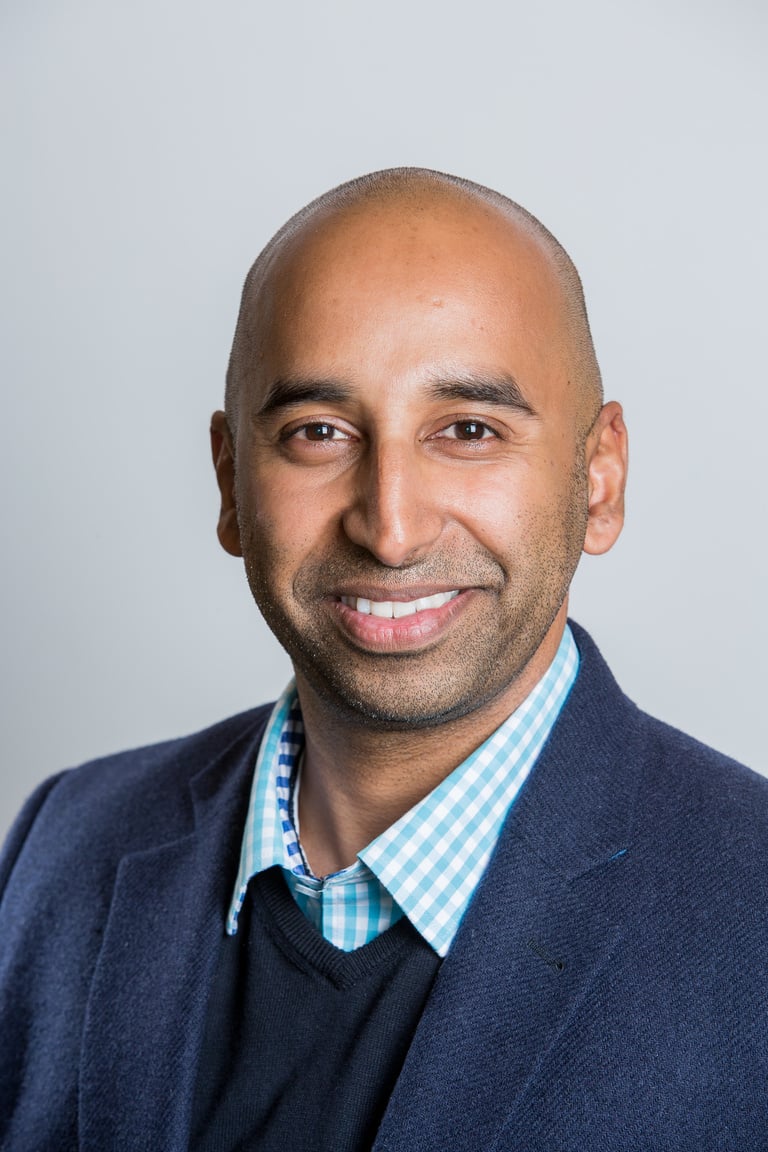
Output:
x=607 y=460
x=223 y=453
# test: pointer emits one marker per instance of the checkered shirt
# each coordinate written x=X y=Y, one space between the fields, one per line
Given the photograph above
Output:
x=428 y=864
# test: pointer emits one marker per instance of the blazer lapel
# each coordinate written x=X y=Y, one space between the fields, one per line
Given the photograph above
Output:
x=542 y=926
x=148 y=997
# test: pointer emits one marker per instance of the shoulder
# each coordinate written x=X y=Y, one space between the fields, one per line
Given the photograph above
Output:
x=703 y=816
x=132 y=799
x=697 y=775
x=674 y=759
x=695 y=812
x=142 y=778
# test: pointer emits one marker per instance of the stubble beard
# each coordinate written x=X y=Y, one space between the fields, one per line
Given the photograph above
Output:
x=476 y=661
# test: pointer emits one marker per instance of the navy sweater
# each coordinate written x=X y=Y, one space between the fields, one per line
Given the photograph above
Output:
x=303 y=1042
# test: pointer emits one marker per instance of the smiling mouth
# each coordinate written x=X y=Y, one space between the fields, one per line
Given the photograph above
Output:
x=396 y=609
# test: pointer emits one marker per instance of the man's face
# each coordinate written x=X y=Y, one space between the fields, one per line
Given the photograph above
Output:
x=410 y=481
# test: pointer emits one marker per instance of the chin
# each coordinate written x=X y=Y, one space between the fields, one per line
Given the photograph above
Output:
x=404 y=701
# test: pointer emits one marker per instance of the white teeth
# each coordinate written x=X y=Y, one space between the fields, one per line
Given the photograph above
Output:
x=389 y=609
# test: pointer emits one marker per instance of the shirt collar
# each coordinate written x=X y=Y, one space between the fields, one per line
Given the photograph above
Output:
x=269 y=837
x=431 y=860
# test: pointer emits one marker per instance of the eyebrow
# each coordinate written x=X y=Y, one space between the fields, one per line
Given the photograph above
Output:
x=289 y=391
x=478 y=388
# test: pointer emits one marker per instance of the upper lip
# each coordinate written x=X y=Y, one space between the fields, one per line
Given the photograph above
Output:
x=413 y=592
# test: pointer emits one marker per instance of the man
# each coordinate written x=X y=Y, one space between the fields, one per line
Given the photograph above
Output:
x=454 y=891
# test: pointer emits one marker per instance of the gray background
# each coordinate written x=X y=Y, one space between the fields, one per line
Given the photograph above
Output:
x=151 y=148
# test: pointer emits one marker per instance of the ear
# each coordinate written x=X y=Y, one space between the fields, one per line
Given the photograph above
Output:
x=223 y=452
x=607 y=460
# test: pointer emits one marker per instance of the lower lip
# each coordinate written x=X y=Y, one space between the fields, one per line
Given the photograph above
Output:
x=406 y=634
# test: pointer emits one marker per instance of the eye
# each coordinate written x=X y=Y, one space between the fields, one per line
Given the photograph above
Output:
x=318 y=432
x=468 y=430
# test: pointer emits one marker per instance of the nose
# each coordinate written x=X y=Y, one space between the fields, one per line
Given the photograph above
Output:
x=395 y=511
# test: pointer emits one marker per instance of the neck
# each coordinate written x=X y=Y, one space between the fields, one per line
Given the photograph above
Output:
x=358 y=780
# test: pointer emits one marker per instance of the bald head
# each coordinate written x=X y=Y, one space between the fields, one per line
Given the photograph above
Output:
x=399 y=195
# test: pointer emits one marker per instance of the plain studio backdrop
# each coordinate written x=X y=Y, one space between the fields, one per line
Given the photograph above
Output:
x=150 y=149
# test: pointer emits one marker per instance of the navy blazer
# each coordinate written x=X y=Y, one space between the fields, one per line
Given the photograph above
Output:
x=606 y=990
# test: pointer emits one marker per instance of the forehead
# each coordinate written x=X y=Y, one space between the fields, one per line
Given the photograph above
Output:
x=397 y=288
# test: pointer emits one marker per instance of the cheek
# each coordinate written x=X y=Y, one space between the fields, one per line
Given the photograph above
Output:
x=499 y=504
x=533 y=513
x=282 y=528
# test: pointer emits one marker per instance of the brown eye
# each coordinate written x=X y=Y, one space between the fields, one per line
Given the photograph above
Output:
x=470 y=430
x=319 y=431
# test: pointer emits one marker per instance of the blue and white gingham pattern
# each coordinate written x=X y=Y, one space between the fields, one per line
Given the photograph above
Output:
x=426 y=865
x=288 y=754
x=349 y=909
x=269 y=837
